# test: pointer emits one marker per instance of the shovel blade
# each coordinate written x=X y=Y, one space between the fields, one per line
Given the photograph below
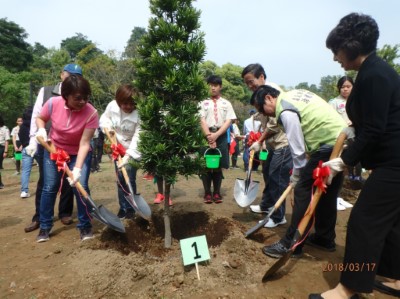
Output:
x=278 y=264
x=102 y=214
x=111 y=220
x=242 y=196
x=139 y=205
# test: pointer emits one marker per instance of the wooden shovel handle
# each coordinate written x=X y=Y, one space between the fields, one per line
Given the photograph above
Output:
x=317 y=195
x=114 y=141
x=49 y=146
x=283 y=196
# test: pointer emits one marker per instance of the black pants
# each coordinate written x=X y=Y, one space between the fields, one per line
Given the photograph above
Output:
x=373 y=232
x=66 y=204
x=215 y=176
x=2 y=149
x=326 y=210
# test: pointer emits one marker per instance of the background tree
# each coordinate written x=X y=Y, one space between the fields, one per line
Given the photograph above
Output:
x=77 y=43
x=304 y=85
x=131 y=47
x=15 y=54
x=168 y=74
x=14 y=95
x=390 y=54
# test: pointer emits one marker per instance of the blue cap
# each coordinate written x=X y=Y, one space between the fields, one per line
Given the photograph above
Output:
x=73 y=68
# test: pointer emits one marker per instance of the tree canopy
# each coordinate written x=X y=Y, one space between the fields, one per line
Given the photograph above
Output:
x=35 y=65
x=15 y=54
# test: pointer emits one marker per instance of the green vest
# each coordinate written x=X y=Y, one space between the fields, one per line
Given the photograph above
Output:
x=320 y=123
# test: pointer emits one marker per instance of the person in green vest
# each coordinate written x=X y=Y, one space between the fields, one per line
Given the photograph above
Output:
x=312 y=127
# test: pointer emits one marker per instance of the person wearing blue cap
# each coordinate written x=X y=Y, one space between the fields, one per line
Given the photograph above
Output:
x=66 y=203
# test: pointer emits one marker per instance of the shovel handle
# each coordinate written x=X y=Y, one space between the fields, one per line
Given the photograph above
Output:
x=49 y=146
x=275 y=207
x=311 y=208
x=114 y=141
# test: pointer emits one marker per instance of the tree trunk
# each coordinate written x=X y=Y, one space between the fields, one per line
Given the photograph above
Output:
x=167 y=221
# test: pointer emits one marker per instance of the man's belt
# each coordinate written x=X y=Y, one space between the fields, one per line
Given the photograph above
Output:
x=213 y=129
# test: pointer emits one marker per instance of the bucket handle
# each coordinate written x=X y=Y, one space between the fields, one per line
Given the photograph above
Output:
x=213 y=149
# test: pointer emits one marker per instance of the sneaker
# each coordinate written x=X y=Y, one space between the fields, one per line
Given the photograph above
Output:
x=339 y=205
x=86 y=233
x=271 y=223
x=159 y=198
x=43 y=236
x=25 y=194
x=16 y=173
x=208 y=198
x=1 y=186
x=344 y=203
x=217 y=198
x=121 y=214
x=313 y=241
x=257 y=209
x=277 y=250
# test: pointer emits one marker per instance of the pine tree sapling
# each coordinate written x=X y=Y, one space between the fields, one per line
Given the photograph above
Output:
x=168 y=75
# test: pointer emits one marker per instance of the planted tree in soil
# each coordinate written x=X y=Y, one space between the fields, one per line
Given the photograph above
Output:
x=168 y=75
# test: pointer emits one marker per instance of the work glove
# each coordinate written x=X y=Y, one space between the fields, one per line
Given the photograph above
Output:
x=294 y=178
x=76 y=174
x=124 y=161
x=41 y=133
x=256 y=146
x=335 y=165
x=350 y=132
x=31 y=149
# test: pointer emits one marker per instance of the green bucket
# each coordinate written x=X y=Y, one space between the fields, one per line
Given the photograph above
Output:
x=212 y=160
x=263 y=155
x=18 y=156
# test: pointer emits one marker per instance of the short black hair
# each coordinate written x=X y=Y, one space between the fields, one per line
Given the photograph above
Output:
x=256 y=69
x=356 y=34
x=259 y=94
x=342 y=80
x=214 y=79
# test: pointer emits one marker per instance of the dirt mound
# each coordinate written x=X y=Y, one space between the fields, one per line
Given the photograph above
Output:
x=144 y=237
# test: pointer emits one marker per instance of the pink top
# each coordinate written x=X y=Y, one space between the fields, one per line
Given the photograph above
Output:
x=67 y=125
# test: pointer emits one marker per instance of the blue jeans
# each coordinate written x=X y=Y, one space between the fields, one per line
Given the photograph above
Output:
x=123 y=189
x=51 y=185
x=25 y=171
x=276 y=171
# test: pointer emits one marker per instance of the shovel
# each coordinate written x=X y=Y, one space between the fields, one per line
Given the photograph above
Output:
x=306 y=219
x=99 y=212
x=245 y=191
x=135 y=200
x=273 y=209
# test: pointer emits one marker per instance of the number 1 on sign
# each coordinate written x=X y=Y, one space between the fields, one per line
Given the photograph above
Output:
x=197 y=256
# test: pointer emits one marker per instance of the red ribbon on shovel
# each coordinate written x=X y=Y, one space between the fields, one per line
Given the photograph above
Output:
x=61 y=157
x=117 y=150
x=320 y=173
x=253 y=137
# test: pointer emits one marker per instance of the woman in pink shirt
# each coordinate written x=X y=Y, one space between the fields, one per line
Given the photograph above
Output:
x=73 y=122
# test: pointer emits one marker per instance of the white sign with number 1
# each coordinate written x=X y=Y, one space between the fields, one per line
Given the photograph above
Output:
x=194 y=250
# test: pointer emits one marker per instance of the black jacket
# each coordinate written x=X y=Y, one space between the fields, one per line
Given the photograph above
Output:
x=374 y=109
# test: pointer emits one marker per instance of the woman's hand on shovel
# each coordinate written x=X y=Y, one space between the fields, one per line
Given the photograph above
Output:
x=124 y=161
